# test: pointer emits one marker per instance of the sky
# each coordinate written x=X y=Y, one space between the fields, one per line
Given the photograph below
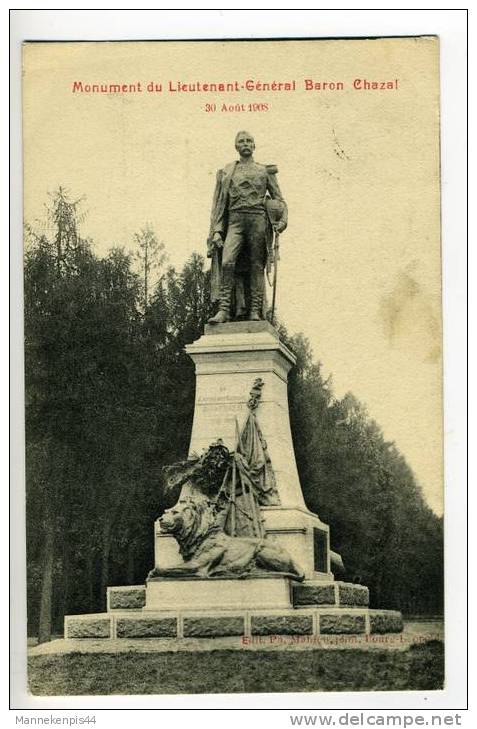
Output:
x=360 y=261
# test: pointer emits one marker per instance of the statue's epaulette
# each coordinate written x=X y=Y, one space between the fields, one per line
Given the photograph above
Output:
x=272 y=169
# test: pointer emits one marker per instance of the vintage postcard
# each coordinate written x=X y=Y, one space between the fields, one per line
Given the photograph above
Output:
x=232 y=281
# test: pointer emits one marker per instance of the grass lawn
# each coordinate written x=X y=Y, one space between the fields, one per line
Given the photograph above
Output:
x=228 y=671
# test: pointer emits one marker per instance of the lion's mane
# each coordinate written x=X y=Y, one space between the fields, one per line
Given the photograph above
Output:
x=197 y=522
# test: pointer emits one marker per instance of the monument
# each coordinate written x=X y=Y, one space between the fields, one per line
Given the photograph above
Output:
x=247 y=209
x=239 y=554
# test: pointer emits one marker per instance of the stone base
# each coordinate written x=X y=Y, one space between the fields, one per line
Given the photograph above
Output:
x=303 y=535
x=218 y=593
x=240 y=623
x=273 y=591
x=253 y=606
x=126 y=598
x=241 y=327
x=338 y=594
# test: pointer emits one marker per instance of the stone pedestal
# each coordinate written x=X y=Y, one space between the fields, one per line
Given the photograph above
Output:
x=214 y=608
x=218 y=594
x=228 y=358
x=304 y=536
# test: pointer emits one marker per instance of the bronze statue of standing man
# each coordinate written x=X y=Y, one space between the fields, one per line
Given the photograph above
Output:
x=247 y=208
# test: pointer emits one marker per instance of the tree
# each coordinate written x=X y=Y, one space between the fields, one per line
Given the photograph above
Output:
x=361 y=486
x=48 y=265
x=151 y=256
x=109 y=402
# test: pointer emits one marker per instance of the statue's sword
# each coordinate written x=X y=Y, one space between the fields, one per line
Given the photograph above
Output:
x=276 y=257
x=275 y=211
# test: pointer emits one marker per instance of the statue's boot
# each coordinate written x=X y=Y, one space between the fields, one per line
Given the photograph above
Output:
x=241 y=312
x=256 y=297
x=240 y=306
x=220 y=318
x=223 y=314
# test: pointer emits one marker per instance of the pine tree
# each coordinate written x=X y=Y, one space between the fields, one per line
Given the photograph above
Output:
x=151 y=257
x=109 y=402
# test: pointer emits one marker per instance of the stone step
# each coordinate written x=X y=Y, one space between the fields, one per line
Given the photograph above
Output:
x=308 y=594
x=132 y=597
x=308 y=621
x=338 y=594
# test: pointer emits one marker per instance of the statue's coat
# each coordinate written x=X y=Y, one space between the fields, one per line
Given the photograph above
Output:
x=219 y=219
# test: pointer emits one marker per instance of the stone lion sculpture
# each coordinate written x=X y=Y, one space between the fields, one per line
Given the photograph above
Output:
x=209 y=552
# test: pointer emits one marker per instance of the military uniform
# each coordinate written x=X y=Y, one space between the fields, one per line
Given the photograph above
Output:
x=239 y=215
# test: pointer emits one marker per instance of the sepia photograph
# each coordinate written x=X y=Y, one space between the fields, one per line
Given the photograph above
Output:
x=233 y=366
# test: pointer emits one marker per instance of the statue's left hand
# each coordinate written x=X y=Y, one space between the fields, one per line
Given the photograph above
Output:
x=280 y=226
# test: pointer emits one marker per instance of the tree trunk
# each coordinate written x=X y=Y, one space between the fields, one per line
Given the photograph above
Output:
x=90 y=580
x=146 y=272
x=63 y=602
x=46 y=599
x=105 y=550
x=130 y=576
